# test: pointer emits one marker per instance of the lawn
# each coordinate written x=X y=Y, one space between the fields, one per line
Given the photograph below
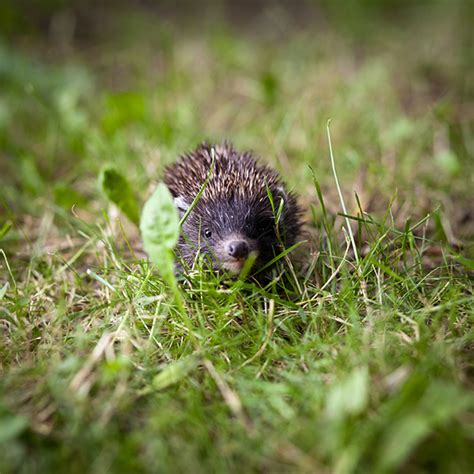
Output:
x=356 y=357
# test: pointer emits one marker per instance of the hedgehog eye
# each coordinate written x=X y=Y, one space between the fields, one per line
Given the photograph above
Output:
x=207 y=233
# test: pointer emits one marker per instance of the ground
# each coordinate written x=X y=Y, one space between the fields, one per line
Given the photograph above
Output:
x=358 y=358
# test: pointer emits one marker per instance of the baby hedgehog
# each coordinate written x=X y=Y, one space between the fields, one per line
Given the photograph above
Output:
x=234 y=217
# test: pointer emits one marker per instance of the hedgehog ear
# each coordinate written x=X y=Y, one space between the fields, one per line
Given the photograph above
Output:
x=181 y=205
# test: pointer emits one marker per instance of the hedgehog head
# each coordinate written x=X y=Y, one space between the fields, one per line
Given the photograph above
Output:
x=244 y=212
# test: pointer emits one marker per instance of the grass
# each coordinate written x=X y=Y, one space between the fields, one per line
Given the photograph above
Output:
x=357 y=359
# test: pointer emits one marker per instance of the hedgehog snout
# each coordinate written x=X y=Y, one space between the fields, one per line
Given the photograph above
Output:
x=232 y=252
x=238 y=249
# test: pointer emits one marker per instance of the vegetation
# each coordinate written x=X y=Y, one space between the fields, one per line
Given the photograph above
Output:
x=358 y=358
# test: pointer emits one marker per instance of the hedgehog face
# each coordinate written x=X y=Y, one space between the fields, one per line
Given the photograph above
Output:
x=229 y=234
x=234 y=220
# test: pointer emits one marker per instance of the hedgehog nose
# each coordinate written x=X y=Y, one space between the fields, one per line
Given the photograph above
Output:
x=238 y=249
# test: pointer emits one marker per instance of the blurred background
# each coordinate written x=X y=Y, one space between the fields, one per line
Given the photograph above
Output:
x=84 y=83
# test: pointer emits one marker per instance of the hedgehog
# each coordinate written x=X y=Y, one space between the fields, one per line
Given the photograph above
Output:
x=244 y=212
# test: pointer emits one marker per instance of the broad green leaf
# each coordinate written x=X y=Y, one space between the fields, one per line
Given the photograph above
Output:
x=174 y=373
x=118 y=190
x=159 y=226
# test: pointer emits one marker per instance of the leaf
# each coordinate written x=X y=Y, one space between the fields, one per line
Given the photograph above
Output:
x=174 y=373
x=350 y=396
x=118 y=191
x=159 y=226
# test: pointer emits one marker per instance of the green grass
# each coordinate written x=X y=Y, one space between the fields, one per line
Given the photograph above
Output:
x=351 y=360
